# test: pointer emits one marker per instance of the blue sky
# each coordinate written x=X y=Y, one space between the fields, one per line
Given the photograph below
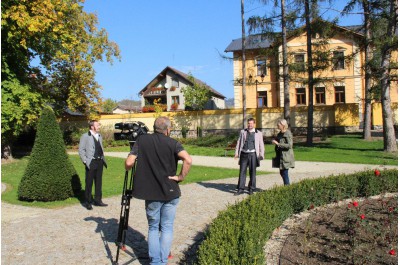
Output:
x=188 y=35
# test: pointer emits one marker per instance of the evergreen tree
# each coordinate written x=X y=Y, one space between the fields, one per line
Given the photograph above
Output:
x=50 y=175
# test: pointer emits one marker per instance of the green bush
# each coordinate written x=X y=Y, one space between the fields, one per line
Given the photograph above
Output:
x=49 y=175
x=238 y=234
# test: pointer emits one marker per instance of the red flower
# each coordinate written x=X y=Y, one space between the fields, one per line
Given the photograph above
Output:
x=392 y=252
x=355 y=204
x=311 y=207
x=377 y=173
x=390 y=209
x=362 y=216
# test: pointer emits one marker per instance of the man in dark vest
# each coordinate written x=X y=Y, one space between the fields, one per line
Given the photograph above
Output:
x=156 y=182
x=92 y=155
x=250 y=150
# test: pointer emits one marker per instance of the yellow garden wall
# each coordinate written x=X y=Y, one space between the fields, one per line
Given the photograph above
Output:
x=339 y=115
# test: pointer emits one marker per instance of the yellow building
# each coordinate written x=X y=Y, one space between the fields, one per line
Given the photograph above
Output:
x=342 y=82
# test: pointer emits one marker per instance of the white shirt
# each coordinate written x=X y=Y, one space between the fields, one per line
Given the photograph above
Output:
x=95 y=134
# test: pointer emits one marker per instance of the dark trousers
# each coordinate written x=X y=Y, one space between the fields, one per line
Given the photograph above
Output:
x=285 y=176
x=94 y=173
x=247 y=160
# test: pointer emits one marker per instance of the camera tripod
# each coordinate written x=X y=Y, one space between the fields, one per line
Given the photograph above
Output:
x=125 y=207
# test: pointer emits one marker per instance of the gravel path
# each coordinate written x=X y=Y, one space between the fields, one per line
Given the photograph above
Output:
x=73 y=235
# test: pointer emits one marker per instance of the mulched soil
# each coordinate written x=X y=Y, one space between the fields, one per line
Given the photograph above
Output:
x=361 y=232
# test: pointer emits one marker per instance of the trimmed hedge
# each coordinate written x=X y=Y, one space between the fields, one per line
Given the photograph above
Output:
x=49 y=175
x=238 y=234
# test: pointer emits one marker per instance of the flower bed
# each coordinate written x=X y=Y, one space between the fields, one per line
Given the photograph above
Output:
x=238 y=234
x=353 y=231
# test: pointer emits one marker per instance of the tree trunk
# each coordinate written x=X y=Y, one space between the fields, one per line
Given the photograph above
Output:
x=286 y=96
x=310 y=113
x=368 y=73
x=243 y=66
x=389 y=137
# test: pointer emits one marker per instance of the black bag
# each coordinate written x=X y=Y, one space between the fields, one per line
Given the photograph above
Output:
x=275 y=162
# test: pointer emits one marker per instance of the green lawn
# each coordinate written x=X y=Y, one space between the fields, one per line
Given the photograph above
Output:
x=341 y=149
x=345 y=149
x=113 y=179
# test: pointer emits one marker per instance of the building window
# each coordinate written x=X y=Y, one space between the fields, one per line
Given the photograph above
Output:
x=339 y=94
x=262 y=99
x=175 y=82
x=301 y=96
x=320 y=95
x=338 y=60
x=175 y=100
x=261 y=67
x=299 y=62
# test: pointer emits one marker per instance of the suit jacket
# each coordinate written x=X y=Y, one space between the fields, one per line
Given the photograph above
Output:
x=86 y=148
x=259 y=143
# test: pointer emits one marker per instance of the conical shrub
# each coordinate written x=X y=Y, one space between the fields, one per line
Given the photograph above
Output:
x=49 y=175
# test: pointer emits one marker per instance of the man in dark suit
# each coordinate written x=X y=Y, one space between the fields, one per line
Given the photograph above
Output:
x=92 y=155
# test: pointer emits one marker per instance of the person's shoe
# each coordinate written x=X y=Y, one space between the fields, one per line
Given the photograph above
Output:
x=101 y=204
x=88 y=206
x=251 y=192
x=238 y=192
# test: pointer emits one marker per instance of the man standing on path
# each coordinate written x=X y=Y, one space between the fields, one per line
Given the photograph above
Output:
x=92 y=155
x=250 y=150
x=156 y=182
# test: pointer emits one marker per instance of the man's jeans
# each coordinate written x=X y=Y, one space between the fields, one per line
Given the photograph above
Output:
x=160 y=217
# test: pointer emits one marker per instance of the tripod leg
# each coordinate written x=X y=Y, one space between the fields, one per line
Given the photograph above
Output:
x=124 y=214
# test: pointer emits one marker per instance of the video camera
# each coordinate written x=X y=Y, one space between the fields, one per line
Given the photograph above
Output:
x=130 y=131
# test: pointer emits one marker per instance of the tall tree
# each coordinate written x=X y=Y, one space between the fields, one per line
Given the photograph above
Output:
x=286 y=78
x=368 y=73
x=367 y=43
x=244 y=122
x=389 y=44
x=310 y=112
x=267 y=25
x=48 y=48
x=380 y=25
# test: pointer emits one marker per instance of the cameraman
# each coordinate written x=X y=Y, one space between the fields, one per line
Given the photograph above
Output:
x=156 y=182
